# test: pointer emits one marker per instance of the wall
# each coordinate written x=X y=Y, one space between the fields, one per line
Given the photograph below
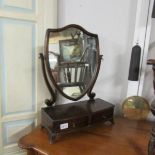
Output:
x=114 y=22
x=49 y=20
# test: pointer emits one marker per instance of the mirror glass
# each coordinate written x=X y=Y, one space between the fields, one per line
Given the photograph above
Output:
x=73 y=57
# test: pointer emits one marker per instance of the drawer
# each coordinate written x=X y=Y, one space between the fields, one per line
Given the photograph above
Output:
x=102 y=116
x=61 y=126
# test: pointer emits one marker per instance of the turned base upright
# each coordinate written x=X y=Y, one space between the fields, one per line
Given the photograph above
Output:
x=151 y=145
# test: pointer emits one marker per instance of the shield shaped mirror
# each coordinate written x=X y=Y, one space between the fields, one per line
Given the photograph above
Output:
x=72 y=60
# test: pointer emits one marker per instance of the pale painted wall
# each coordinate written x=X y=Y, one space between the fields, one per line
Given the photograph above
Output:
x=114 y=22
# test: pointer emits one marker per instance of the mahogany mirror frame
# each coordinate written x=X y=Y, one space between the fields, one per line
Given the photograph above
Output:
x=88 y=89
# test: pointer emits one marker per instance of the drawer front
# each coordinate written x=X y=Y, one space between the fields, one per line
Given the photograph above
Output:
x=102 y=116
x=70 y=124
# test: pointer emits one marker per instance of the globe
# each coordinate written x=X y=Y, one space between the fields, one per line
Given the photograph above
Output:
x=135 y=107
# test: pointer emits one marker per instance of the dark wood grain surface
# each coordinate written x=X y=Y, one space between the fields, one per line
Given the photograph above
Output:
x=125 y=137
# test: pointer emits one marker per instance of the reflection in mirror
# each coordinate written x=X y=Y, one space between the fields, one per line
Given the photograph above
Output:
x=72 y=59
